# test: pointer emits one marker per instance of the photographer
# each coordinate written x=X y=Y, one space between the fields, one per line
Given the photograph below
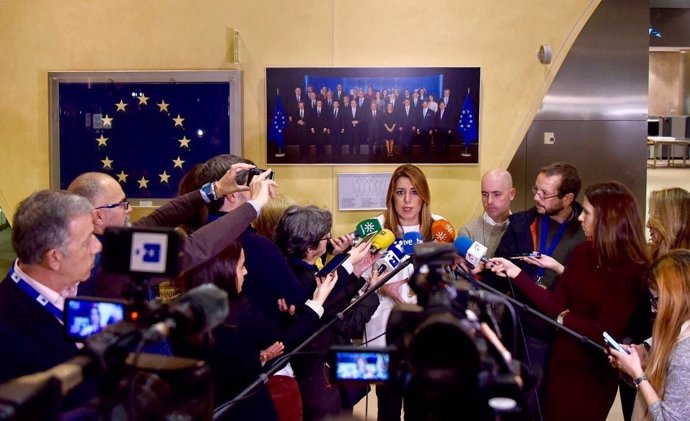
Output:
x=111 y=208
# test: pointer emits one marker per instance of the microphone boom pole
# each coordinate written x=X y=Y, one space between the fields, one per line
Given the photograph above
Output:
x=582 y=338
x=263 y=378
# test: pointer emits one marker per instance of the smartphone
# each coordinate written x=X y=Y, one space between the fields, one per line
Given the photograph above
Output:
x=333 y=264
x=530 y=254
x=359 y=365
x=86 y=316
x=613 y=344
x=253 y=172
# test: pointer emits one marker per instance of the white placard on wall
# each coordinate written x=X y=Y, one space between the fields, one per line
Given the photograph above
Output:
x=362 y=191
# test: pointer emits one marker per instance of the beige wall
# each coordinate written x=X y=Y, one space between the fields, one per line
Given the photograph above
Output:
x=665 y=80
x=502 y=37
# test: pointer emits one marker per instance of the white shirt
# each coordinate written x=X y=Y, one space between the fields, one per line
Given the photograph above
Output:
x=55 y=298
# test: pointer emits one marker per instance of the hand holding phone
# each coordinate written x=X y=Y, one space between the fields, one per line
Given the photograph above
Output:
x=613 y=344
x=534 y=254
x=332 y=265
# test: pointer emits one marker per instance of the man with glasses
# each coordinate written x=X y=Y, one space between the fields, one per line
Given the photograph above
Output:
x=550 y=227
x=111 y=208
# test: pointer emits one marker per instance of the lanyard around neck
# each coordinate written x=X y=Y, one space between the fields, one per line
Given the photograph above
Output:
x=33 y=294
x=543 y=248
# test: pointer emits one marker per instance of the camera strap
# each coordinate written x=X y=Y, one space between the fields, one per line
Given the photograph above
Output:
x=35 y=295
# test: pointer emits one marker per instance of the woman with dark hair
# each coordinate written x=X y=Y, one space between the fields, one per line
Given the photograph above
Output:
x=233 y=349
x=663 y=385
x=598 y=291
x=302 y=234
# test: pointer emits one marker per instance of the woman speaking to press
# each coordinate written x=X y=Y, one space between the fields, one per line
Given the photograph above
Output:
x=664 y=386
x=598 y=291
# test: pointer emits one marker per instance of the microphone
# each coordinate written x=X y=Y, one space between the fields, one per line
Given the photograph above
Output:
x=443 y=231
x=391 y=258
x=196 y=312
x=410 y=239
x=472 y=251
x=382 y=240
x=367 y=226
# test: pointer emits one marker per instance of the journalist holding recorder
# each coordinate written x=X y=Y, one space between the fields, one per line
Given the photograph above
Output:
x=598 y=291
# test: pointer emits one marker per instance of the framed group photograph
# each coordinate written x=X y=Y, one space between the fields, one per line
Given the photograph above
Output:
x=146 y=129
x=381 y=115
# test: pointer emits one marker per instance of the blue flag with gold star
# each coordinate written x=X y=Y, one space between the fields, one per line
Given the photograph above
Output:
x=146 y=135
x=278 y=124
x=467 y=125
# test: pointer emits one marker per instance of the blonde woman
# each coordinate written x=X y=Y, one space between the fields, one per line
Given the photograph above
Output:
x=664 y=385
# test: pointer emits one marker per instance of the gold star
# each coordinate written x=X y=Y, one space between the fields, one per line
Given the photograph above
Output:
x=121 y=106
x=163 y=106
x=107 y=121
x=143 y=183
x=178 y=162
x=107 y=163
x=122 y=177
x=143 y=99
x=184 y=142
x=102 y=141
x=178 y=121
x=164 y=177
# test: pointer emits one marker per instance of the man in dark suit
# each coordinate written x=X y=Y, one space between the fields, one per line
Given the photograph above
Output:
x=339 y=93
x=298 y=128
x=425 y=129
x=443 y=126
x=53 y=236
x=353 y=126
x=336 y=128
x=374 y=122
x=318 y=128
x=407 y=126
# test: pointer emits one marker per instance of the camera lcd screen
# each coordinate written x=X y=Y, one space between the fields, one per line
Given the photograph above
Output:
x=84 y=317
x=360 y=365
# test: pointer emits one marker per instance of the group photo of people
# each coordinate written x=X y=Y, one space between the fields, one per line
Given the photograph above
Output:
x=379 y=115
x=579 y=256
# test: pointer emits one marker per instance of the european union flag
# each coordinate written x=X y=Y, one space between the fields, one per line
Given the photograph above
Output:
x=278 y=124
x=146 y=135
x=468 y=124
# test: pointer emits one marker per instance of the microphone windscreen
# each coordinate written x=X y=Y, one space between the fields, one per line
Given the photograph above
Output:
x=367 y=227
x=382 y=240
x=463 y=244
x=443 y=231
x=410 y=239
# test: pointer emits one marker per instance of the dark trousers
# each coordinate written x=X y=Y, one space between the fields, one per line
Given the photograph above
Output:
x=537 y=360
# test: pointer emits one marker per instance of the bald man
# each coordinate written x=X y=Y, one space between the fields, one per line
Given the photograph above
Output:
x=111 y=208
x=497 y=195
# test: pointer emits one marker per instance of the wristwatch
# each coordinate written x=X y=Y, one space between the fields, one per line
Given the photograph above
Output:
x=639 y=380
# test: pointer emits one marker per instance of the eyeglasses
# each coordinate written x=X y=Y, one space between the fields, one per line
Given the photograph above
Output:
x=536 y=191
x=327 y=236
x=124 y=204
